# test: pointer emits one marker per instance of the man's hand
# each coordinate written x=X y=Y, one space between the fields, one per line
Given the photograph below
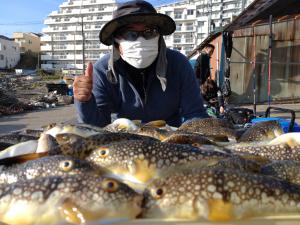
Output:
x=83 y=85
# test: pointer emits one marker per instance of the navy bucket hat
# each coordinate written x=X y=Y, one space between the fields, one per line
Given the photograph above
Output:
x=136 y=11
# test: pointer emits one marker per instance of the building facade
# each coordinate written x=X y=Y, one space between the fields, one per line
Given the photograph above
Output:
x=28 y=42
x=9 y=53
x=63 y=45
x=196 y=19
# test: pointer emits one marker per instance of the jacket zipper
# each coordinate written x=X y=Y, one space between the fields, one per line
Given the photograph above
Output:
x=144 y=88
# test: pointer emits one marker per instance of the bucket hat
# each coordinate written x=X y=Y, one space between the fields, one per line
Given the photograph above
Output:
x=136 y=11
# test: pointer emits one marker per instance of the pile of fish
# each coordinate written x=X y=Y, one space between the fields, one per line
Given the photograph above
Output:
x=205 y=169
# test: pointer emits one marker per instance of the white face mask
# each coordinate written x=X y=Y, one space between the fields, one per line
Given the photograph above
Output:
x=140 y=53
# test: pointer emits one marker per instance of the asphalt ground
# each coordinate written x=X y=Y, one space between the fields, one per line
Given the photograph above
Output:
x=67 y=114
x=37 y=119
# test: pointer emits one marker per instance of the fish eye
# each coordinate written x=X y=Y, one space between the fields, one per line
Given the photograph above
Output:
x=103 y=152
x=66 y=165
x=197 y=145
x=158 y=193
x=65 y=138
x=110 y=185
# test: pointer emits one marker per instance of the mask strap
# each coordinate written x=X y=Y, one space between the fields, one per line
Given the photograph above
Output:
x=111 y=72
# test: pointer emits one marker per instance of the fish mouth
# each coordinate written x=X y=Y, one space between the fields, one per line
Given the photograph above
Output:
x=144 y=204
x=137 y=206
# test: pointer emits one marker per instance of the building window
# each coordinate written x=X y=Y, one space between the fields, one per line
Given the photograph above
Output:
x=168 y=13
x=91 y=9
x=200 y=23
x=177 y=39
x=189 y=26
x=178 y=14
x=178 y=26
x=93 y=1
x=190 y=12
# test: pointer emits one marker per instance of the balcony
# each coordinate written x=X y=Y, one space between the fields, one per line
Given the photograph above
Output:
x=50 y=21
x=47 y=30
x=109 y=9
x=46 y=38
x=54 y=13
x=46 y=57
x=46 y=48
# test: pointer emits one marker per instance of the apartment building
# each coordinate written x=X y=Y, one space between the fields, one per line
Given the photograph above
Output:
x=63 y=46
x=9 y=53
x=196 y=19
x=28 y=42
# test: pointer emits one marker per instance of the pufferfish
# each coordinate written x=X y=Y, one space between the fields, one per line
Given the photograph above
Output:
x=264 y=131
x=219 y=195
x=144 y=160
x=75 y=199
x=214 y=128
x=57 y=165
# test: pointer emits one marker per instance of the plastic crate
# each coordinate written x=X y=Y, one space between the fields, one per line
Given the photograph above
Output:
x=61 y=89
x=285 y=124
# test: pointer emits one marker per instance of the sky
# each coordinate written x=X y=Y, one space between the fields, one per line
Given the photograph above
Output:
x=28 y=15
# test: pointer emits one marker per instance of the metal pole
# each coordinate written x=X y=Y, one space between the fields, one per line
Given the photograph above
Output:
x=254 y=74
x=270 y=60
x=38 y=60
x=75 y=48
x=83 y=40
x=83 y=45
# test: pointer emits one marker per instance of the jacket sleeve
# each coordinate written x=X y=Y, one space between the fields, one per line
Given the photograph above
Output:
x=191 y=100
x=97 y=111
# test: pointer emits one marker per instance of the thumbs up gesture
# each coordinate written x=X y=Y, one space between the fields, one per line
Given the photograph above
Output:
x=83 y=85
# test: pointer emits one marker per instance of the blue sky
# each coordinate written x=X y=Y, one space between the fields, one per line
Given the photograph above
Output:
x=28 y=15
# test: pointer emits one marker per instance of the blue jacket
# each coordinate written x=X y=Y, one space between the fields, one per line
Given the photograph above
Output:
x=180 y=101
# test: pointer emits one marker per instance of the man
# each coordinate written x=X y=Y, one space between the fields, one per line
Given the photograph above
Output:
x=140 y=79
x=202 y=66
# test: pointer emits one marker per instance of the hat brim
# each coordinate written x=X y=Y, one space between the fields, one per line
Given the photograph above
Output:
x=165 y=24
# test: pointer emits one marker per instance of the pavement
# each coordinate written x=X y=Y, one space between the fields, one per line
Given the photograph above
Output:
x=37 y=119
x=67 y=114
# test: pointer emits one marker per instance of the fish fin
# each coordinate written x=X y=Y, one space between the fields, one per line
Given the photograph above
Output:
x=137 y=122
x=291 y=142
x=74 y=214
x=220 y=210
x=69 y=211
x=156 y=123
x=142 y=171
x=22 y=158
x=258 y=159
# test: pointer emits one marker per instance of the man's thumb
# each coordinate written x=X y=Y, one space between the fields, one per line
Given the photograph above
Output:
x=89 y=70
